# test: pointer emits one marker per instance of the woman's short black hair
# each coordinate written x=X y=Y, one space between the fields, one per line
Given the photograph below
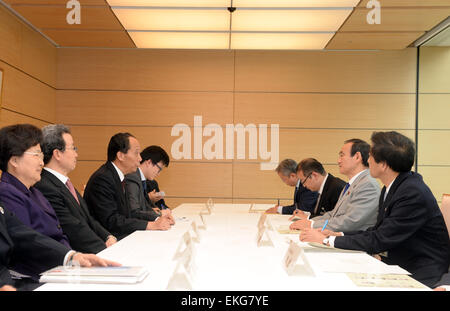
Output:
x=119 y=142
x=15 y=140
x=393 y=148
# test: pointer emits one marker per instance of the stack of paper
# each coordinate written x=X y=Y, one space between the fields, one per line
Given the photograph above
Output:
x=104 y=275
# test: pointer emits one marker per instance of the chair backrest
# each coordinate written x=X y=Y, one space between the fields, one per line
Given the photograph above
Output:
x=445 y=209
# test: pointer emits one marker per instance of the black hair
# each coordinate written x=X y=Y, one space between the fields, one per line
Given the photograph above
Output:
x=15 y=140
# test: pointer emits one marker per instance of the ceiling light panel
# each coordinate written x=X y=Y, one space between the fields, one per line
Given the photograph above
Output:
x=289 y=20
x=174 y=19
x=277 y=41
x=180 y=40
x=171 y=3
x=294 y=3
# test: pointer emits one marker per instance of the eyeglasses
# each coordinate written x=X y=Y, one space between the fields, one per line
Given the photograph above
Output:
x=39 y=154
x=304 y=180
x=159 y=168
x=72 y=148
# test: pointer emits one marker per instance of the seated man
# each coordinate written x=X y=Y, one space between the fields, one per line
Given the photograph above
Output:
x=21 y=245
x=154 y=158
x=356 y=208
x=304 y=199
x=105 y=192
x=317 y=179
x=60 y=158
x=410 y=230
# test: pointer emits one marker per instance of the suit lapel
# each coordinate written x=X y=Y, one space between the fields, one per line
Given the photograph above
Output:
x=64 y=190
x=343 y=198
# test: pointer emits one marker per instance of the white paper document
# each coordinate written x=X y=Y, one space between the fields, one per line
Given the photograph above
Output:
x=101 y=275
x=344 y=262
x=260 y=207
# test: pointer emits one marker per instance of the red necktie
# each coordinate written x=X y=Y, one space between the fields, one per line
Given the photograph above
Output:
x=72 y=190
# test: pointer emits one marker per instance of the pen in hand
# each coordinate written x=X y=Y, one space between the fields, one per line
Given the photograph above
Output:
x=325 y=225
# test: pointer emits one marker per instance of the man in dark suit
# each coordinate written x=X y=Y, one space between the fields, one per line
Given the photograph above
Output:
x=19 y=244
x=315 y=178
x=153 y=160
x=304 y=199
x=60 y=157
x=410 y=230
x=106 y=193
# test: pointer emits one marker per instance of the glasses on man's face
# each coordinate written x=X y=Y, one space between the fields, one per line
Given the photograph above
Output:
x=38 y=154
x=159 y=168
x=72 y=148
x=304 y=180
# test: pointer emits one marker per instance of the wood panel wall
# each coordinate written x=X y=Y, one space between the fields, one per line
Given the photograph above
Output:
x=28 y=62
x=319 y=99
x=434 y=121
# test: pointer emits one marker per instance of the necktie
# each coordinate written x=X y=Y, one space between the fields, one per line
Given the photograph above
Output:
x=144 y=186
x=316 y=208
x=346 y=188
x=72 y=190
x=123 y=185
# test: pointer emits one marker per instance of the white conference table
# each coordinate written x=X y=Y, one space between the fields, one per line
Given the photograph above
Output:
x=226 y=257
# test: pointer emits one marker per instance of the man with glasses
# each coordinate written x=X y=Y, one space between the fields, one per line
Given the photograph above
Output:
x=153 y=160
x=304 y=199
x=85 y=233
x=315 y=178
x=357 y=206
x=410 y=230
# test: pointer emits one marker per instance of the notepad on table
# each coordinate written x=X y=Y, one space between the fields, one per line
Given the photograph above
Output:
x=101 y=275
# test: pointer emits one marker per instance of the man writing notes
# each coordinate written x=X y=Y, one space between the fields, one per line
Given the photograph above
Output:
x=304 y=199
x=410 y=230
x=356 y=208
x=317 y=179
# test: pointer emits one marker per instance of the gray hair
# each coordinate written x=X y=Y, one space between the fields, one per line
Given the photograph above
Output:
x=286 y=167
x=53 y=139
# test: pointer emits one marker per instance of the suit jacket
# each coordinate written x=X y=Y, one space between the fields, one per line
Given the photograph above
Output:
x=31 y=208
x=330 y=194
x=410 y=228
x=153 y=185
x=85 y=234
x=140 y=205
x=24 y=249
x=356 y=209
x=108 y=202
x=305 y=200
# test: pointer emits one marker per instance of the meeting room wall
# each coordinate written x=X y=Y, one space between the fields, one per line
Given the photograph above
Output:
x=434 y=121
x=28 y=62
x=317 y=98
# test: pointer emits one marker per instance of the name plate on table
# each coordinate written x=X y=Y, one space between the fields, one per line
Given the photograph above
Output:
x=185 y=245
x=202 y=218
x=290 y=261
x=263 y=237
x=208 y=207
x=196 y=232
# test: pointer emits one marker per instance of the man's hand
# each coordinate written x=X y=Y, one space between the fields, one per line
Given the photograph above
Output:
x=312 y=235
x=162 y=223
x=110 y=241
x=298 y=213
x=90 y=260
x=155 y=196
x=272 y=210
x=7 y=288
x=300 y=224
